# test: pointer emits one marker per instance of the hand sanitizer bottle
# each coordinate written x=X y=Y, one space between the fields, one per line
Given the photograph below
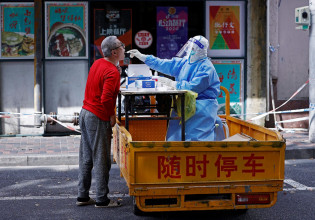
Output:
x=156 y=78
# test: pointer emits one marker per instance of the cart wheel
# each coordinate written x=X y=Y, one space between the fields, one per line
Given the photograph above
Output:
x=135 y=208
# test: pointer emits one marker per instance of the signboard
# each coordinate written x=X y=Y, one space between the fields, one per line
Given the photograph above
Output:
x=17 y=30
x=111 y=22
x=225 y=28
x=66 y=30
x=230 y=73
x=143 y=39
x=172 y=167
x=172 y=30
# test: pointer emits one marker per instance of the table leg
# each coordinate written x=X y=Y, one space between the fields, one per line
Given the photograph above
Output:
x=126 y=112
x=183 y=116
x=119 y=107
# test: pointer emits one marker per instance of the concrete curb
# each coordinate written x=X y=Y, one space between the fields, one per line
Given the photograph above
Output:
x=40 y=160
x=293 y=152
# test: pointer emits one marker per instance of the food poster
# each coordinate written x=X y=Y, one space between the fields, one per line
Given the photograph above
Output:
x=17 y=30
x=172 y=30
x=66 y=30
x=224 y=27
x=112 y=22
x=230 y=73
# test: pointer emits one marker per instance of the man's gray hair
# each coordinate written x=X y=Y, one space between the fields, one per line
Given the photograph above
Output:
x=108 y=44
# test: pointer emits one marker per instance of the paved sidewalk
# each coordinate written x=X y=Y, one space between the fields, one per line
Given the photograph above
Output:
x=39 y=150
x=298 y=145
x=64 y=150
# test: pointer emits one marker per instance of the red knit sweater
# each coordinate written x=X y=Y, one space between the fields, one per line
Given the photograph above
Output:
x=101 y=89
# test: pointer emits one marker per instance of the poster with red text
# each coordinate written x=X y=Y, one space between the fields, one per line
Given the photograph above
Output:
x=66 y=30
x=17 y=30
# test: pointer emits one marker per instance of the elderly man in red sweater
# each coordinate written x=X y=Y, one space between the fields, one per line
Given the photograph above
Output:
x=97 y=118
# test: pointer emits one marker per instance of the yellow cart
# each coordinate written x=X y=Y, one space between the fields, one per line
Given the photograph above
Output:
x=244 y=171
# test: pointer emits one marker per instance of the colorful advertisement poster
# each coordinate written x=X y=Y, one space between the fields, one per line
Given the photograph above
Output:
x=172 y=30
x=224 y=27
x=109 y=22
x=225 y=21
x=230 y=73
x=66 y=30
x=17 y=30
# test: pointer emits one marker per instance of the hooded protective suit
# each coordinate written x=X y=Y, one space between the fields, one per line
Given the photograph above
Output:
x=192 y=71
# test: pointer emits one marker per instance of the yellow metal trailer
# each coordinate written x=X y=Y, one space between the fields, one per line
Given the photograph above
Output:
x=175 y=176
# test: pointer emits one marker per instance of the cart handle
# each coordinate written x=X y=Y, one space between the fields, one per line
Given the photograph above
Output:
x=227 y=100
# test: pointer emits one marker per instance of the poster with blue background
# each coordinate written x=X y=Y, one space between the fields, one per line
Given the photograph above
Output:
x=230 y=73
x=172 y=30
x=17 y=30
x=66 y=30
x=19 y=18
x=70 y=13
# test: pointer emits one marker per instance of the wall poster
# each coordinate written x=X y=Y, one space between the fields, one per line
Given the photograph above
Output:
x=231 y=74
x=143 y=39
x=17 y=30
x=225 y=21
x=66 y=30
x=117 y=22
x=172 y=30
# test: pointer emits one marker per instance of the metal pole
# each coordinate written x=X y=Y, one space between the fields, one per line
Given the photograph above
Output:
x=268 y=59
x=273 y=103
x=312 y=73
x=38 y=63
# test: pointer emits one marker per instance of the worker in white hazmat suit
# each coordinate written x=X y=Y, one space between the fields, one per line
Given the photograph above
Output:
x=193 y=71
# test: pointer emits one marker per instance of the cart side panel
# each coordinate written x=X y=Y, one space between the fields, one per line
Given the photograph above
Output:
x=147 y=130
x=121 y=151
x=255 y=131
x=206 y=164
x=170 y=176
x=116 y=143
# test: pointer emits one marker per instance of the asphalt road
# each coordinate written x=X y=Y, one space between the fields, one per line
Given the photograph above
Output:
x=50 y=193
